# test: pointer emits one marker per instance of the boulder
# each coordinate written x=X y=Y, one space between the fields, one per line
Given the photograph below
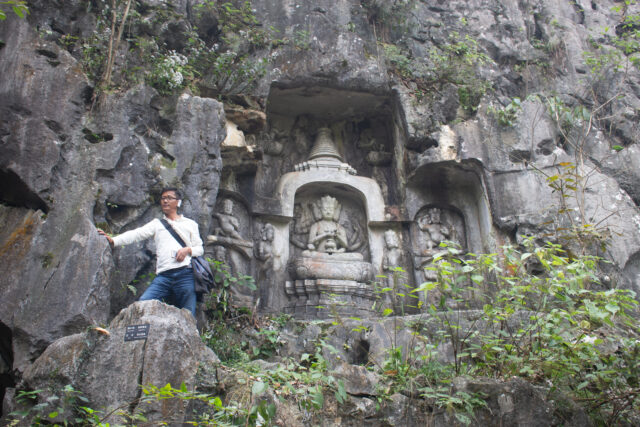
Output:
x=110 y=372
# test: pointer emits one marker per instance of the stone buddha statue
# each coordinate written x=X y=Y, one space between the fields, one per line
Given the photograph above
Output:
x=434 y=228
x=326 y=235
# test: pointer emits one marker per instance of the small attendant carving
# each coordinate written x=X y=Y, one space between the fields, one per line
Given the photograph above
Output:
x=227 y=232
x=220 y=254
x=264 y=250
x=300 y=226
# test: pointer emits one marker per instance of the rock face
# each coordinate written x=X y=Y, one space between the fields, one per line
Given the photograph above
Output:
x=54 y=269
x=518 y=403
x=66 y=168
x=110 y=371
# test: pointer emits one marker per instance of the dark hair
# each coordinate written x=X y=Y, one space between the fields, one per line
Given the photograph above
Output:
x=175 y=190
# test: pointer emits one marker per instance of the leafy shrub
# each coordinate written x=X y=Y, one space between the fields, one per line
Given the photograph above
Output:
x=507 y=115
x=218 y=302
x=545 y=324
x=169 y=72
x=18 y=7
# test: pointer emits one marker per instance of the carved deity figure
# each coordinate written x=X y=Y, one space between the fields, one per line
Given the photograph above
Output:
x=300 y=226
x=265 y=244
x=326 y=235
x=393 y=255
x=228 y=224
x=264 y=251
x=434 y=229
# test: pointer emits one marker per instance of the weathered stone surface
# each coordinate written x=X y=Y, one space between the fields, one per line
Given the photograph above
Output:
x=109 y=372
x=325 y=51
x=358 y=380
x=37 y=129
x=516 y=402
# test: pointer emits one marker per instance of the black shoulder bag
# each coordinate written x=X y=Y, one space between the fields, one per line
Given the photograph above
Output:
x=202 y=274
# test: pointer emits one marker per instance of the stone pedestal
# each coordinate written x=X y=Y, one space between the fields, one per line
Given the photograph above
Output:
x=325 y=297
x=330 y=283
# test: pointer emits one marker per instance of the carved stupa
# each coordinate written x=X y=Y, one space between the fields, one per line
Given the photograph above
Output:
x=324 y=155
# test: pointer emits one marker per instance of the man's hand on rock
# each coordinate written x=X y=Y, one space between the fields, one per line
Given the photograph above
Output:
x=182 y=254
x=109 y=239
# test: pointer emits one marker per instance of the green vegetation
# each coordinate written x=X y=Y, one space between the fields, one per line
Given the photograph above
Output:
x=169 y=163
x=305 y=381
x=18 y=7
x=507 y=115
x=47 y=260
x=68 y=408
x=533 y=311
x=455 y=62
x=528 y=313
x=580 y=119
x=622 y=50
x=574 y=225
x=388 y=17
x=218 y=303
x=301 y=40
x=65 y=408
x=225 y=62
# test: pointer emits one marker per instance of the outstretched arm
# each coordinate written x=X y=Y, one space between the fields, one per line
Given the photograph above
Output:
x=131 y=236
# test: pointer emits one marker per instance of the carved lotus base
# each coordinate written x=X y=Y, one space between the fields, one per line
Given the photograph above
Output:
x=325 y=283
x=328 y=268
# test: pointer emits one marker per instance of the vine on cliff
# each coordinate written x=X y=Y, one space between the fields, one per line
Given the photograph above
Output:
x=136 y=42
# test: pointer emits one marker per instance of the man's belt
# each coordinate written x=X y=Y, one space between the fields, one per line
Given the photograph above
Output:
x=184 y=267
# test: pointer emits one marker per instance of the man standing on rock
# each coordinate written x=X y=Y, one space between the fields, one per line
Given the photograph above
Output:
x=174 y=281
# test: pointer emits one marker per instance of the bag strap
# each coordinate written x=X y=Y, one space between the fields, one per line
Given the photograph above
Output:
x=173 y=232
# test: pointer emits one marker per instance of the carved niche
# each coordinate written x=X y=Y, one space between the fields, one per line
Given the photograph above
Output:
x=330 y=253
x=433 y=225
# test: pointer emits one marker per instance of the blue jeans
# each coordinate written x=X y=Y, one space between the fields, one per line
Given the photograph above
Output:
x=175 y=287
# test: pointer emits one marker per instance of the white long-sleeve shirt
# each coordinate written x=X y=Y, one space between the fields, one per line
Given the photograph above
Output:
x=166 y=244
